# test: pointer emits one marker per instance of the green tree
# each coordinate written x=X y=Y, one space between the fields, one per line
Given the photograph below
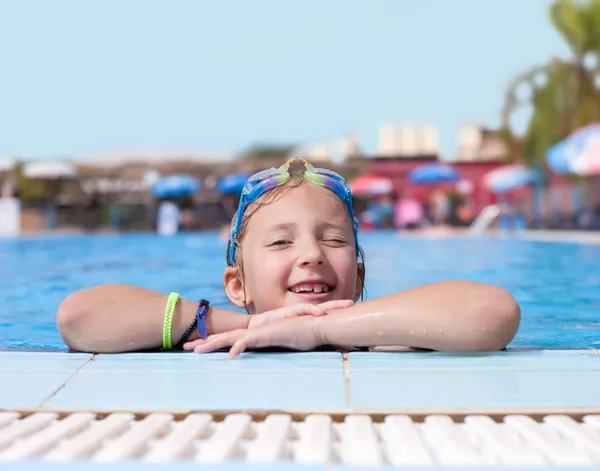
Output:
x=29 y=190
x=563 y=94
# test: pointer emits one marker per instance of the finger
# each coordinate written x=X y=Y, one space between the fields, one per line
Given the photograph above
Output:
x=285 y=313
x=216 y=342
x=238 y=347
x=248 y=341
x=336 y=304
x=305 y=309
x=191 y=345
x=211 y=346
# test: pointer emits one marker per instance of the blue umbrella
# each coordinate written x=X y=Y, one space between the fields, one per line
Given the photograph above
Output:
x=175 y=185
x=562 y=157
x=558 y=158
x=509 y=177
x=233 y=183
x=434 y=173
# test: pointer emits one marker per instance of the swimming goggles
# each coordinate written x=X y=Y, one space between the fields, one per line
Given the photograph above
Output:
x=263 y=181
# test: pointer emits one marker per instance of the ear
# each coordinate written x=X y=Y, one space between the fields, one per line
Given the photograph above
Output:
x=360 y=280
x=234 y=287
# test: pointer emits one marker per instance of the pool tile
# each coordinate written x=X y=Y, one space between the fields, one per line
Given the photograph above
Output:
x=404 y=468
x=101 y=390
x=474 y=389
x=510 y=360
x=389 y=467
x=42 y=362
x=189 y=362
x=29 y=390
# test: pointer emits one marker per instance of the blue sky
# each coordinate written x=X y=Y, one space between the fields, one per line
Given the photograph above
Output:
x=213 y=77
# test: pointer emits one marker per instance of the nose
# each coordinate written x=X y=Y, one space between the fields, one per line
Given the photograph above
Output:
x=311 y=254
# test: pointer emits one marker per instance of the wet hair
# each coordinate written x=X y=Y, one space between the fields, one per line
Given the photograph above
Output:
x=269 y=197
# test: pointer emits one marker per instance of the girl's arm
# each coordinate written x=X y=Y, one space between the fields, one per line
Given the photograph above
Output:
x=445 y=316
x=451 y=316
x=119 y=318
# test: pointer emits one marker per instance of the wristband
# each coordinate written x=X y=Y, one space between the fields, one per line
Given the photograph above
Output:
x=186 y=335
x=168 y=320
x=201 y=312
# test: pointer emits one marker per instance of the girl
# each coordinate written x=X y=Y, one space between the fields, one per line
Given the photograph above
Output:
x=293 y=257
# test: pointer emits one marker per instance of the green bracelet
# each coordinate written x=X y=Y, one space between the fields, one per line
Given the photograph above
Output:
x=168 y=322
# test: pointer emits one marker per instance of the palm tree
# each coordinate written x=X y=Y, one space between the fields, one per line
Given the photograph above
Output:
x=563 y=94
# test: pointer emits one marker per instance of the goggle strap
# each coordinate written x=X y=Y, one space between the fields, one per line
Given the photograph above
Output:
x=257 y=186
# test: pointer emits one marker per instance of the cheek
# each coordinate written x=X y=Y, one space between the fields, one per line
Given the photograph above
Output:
x=264 y=281
x=346 y=271
x=264 y=269
x=272 y=264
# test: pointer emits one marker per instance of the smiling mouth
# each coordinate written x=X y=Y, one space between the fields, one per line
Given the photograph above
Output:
x=311 y=288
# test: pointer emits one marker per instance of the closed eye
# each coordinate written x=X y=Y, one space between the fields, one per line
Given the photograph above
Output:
x=279 y=243
x=335 y=241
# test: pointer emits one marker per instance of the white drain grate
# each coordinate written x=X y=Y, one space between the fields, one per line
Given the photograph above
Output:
x=557 y=440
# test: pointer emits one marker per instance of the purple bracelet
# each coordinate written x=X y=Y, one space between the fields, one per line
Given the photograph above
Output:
x=201 y=312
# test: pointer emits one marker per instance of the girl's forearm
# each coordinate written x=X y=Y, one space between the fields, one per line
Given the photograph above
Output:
x=118 y=318
x=446 y=316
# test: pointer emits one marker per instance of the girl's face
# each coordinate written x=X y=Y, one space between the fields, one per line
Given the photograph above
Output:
x=298 y=248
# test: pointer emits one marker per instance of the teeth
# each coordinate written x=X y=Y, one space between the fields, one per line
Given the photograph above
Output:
x=310 y=288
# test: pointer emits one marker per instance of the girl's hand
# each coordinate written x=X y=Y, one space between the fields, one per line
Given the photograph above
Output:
x=288 y=312
x=298 y=333
x=302 y=309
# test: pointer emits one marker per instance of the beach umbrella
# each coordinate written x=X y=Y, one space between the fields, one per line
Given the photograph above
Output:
x=233 y=183
x=175 y=185
x=588 y=162
x=7 y=164
x=509 y=177
x=49 y=169
x=434 y=173
x=578 y=153
x=371 y=185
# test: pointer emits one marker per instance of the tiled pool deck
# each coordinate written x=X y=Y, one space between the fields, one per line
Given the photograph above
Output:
x=531 y=382
x=332 y=382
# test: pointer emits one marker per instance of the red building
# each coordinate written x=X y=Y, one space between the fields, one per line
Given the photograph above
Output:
x=472 y=173
x=472 y=176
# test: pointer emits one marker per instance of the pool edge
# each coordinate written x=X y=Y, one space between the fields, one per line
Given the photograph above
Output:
x=377 y=415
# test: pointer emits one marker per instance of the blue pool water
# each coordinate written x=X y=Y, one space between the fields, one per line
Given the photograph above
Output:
x=557 y=284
